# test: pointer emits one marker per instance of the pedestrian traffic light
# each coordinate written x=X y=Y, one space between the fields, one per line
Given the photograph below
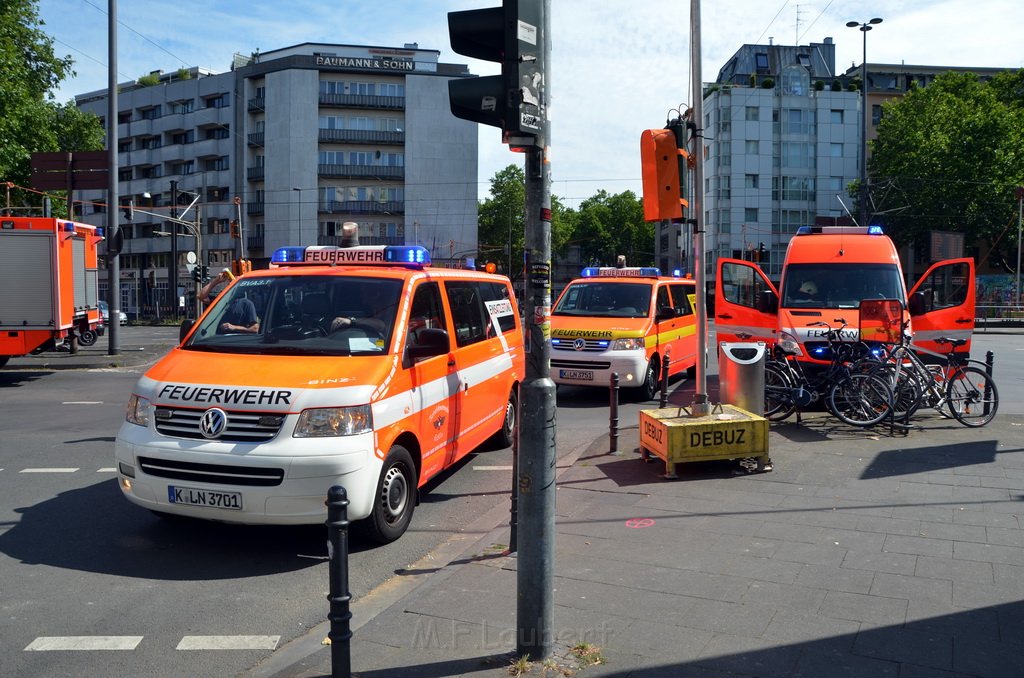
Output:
x=129 y=210
x=512 y=36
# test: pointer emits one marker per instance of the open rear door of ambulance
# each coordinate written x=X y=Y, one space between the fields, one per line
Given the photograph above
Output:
x=942 y=305
x=746 y=303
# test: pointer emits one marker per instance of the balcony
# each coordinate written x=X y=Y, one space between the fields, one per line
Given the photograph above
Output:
x=356 y=171
x=252 y=208
x=254 y=173
x=365 y=207
x=363 y=101
x=254 y=242
x=257 y=104
x=363 y=240
x=256 y=139
x=360 y=136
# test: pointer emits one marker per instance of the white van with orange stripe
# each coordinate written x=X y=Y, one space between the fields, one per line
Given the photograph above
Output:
x=625 y=321
x=367 y=368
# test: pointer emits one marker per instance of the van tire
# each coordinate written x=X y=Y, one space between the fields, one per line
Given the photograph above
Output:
x=87 y=337
x=649 y=388
x=395 y=500
x=507 y=433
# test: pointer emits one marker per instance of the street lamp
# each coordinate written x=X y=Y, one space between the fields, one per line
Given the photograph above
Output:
x=864 y=28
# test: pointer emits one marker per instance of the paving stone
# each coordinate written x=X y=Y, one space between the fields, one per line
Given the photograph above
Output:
x=990 y=553
x=879 y=561
x=867 y=608
x=788 y=596
x=923 y=546
x=953 y=532
x=835 y=578
x=819 y=660
x=954 y=570
x=814 y=554
x=932 y=616
x=1004 y=536
x=912 y=588
x=889 y=525
x=989 y=658
x=750 y=656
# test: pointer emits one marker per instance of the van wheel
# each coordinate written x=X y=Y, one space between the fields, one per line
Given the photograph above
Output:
x=395 y=500
x=87 y=338
x=506 y=435
x=649 y=389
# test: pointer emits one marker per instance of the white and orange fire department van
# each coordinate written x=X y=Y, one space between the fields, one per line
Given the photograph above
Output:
x=366 y=368
x=625 y=321
x=827 y=272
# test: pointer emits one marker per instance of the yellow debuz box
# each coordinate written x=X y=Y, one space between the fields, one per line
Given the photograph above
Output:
x=728 y=432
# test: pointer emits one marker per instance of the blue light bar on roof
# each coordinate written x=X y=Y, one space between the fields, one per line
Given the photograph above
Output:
x=327 y=255
x=68 y=227
x=875 y=230
x=628 y=272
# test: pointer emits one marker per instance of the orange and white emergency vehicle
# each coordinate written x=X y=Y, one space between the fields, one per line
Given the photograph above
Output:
x=49 y=272
x=827 y=272
x=367 y=368
x=625 y=321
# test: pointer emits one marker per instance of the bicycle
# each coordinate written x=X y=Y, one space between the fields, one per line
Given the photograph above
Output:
x=966 y=391
x=857 y=398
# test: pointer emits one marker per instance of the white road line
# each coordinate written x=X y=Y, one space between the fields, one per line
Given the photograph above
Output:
x=228 y=643
x=48 y=470
x=50 y=643
x=82 y=402
x=492 y=468
x=106 y=469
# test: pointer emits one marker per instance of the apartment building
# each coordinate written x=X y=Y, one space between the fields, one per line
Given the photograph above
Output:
x=281 y=150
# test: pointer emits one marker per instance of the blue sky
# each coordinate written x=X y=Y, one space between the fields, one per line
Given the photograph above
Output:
x=618 y=66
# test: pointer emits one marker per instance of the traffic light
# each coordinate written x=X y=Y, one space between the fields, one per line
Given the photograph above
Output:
x=196 y=274
x=663 y=170
x=234 y=229
x=129 y=210
x=204 y=273
x=512 y=36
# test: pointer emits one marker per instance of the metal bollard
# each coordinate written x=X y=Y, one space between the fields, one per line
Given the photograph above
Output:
x=337 y=549
x=613 y=414
x=664 y=382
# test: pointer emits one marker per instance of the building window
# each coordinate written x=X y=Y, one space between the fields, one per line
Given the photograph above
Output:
x=332 y=87
x=332 y=157
x=797 y=188
x=876 y=114
x=369 y=88
x=183 y=137
x=362 y=123
x=184 y=106
x=804 y=60
x=752 y=147
x=835 y=150
x=750 y=215
x=150 y=143
x=360 y=158
x=150 y=113
x=332 y=122
x=124 y=174
x=797 y=154
x=124 y=146
x=222 y=132
x=392 y=89
x=836 y=116
x=833 y=184
x=761 y=62
x=750 y=181
x=217 y=101
x=183 y=167
x=752 y=113
x=388 y=124
x=216 y=164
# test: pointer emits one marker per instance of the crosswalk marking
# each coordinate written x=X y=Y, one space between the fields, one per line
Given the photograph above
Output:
x=51 y=643
x=107 y=469
x=492 y=468
x=228 y=643
x=48 y=470
x=82 y=402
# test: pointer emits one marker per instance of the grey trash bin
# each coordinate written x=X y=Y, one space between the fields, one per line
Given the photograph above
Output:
x=741 y=374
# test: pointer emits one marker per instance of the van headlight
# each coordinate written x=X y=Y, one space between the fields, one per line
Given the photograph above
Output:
x=324 y=422
x=138 y=411
x=788 y=343
x=628 y=344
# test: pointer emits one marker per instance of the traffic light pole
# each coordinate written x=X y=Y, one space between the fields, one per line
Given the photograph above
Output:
x=537 y=454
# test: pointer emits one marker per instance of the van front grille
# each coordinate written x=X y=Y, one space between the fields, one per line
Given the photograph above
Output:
x=215 y=474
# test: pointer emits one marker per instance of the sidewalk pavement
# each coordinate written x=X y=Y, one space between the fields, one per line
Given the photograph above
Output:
x=130 y=354
x=861 y=554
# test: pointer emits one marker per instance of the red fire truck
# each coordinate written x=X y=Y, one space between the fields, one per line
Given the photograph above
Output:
x=48 y=278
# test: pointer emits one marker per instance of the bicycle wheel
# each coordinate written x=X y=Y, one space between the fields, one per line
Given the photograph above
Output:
x=860 y=399
x=971 y=396
x=778 y=387
x=907 y=393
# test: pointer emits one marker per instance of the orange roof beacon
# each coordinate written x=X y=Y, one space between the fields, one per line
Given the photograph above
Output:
x=625 y=321
x=366 y=367
x=50 y=267
x=827 y=272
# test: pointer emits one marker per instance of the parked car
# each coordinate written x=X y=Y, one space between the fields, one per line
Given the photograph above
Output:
x=105 y=314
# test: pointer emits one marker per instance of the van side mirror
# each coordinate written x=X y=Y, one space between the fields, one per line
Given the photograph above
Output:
x=186 y=326
x=430 y=342
x=767 y=302
x=917 y=304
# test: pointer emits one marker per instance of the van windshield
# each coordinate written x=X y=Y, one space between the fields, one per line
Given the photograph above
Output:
x=840 y=285
x=605 y=300
x=301 y=315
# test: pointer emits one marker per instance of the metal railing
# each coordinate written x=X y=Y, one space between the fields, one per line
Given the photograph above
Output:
x=1001 y=315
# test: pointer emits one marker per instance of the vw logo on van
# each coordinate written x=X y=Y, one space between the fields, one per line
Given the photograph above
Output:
x=579 y=345
x=213 y=423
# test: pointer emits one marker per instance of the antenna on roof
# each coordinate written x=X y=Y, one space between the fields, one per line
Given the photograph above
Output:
x=847 y=210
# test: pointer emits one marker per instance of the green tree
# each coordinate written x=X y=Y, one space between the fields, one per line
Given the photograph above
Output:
x=948 y=157
x=609 y=225
x=30 y=120
x=501 y=219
